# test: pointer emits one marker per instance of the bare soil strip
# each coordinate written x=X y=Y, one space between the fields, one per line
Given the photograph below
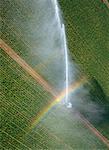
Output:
x=106 y=3
x=26 y=67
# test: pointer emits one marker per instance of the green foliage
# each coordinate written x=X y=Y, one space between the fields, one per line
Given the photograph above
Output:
x=22 y=99
x=87 y=27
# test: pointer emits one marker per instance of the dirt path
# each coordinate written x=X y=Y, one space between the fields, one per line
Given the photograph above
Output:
x=106 y=3
x=26 y=67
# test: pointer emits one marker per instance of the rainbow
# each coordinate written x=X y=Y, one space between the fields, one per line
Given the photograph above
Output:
x=41 y=114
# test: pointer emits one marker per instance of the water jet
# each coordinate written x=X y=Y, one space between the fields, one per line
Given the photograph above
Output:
x=62 y=26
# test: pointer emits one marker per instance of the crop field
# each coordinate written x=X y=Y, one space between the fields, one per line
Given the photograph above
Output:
x=20 y=36
x=87 y=25
x=29 y=120
x=22 y=99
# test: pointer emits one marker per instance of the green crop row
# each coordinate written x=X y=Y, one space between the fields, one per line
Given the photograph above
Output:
x=87 y=32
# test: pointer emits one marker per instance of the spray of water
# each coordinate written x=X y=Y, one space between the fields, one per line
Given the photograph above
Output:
x=62 y=29
x=66 y=62
x=57 y=12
